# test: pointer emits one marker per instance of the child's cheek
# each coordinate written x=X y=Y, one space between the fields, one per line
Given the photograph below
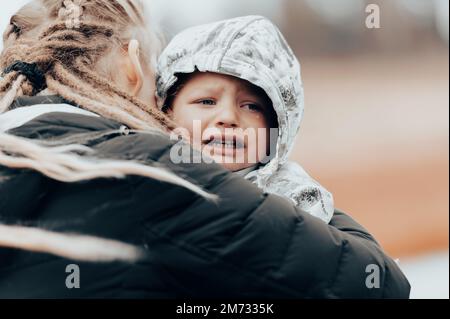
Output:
x=182 y=117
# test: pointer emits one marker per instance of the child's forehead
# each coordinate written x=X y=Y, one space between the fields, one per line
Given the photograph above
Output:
x=218 y=80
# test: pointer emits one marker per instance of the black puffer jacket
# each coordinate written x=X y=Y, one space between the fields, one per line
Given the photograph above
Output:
x=249 y=245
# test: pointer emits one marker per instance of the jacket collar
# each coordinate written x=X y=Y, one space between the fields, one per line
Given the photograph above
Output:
x=36 y=100
x=26 y=109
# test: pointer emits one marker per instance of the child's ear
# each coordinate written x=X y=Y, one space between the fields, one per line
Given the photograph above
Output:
x=133 y=67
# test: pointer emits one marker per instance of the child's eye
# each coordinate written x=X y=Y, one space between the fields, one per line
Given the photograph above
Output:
x=252 y=107
x=207 y=102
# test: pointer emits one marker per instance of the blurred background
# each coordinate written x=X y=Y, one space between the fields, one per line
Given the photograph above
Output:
x=376 y=130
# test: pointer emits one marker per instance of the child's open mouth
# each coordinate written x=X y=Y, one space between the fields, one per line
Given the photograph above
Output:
x=225 y=145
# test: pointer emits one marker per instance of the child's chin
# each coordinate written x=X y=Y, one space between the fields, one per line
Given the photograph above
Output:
x=236 y=167
x=231 y=163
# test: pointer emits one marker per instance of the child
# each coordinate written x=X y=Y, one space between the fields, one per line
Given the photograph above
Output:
x=241 y=74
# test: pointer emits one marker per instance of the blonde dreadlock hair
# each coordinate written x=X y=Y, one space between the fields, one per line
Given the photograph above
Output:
x=74 y=58
x=71 y=43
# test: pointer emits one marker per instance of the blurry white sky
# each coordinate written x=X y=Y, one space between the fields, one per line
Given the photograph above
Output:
x=175 y=15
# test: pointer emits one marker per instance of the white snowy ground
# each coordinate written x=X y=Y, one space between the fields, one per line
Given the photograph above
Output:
x=428 y=275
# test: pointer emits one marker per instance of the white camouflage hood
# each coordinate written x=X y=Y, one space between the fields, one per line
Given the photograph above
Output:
x=253 y=49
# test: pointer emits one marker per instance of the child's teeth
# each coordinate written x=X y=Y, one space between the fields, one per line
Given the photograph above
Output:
x=224 y=144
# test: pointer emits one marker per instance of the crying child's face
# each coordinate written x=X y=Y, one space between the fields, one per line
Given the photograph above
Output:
x=228 y=118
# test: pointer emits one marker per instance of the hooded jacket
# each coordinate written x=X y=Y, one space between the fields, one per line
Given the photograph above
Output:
x=249 y=245
x=253 y=49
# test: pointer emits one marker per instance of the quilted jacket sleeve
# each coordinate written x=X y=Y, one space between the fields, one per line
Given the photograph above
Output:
x=252 y=244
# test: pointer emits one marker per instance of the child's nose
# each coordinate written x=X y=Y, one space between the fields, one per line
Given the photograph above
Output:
x=227 y=116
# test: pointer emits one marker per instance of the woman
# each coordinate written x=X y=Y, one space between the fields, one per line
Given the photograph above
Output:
x=71 y=134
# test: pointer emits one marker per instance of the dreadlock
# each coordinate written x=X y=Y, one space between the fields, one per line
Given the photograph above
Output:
x=69 y=58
